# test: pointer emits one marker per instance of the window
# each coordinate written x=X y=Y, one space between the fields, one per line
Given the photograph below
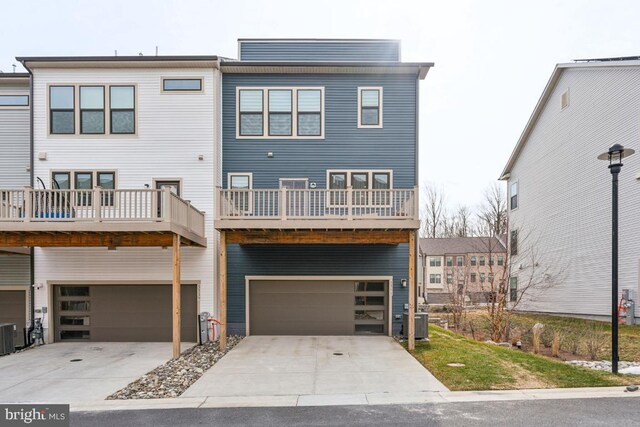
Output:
x=251 y=107
x=514 y=242
x=435 y=278
x=84 y=181
x=514 y=196
x=122 y=104
x=60 y=181
x=513 y=289
x=107 y=181
x=435 y=261
x=449 y=278
x=280 y=112
x=182 y=85
x=369 y=107
x=309 y=112
x=473 y=277
x=91 y=109
x=482 y=262
x=500 y=260
x=242 y=201
x=449 y=261
x=490 y=260
x=14 y=100
x=460 y=261
x=474 y=260
x=358 y=181
x=62 y=109
x=482 y=277
x=490 y=276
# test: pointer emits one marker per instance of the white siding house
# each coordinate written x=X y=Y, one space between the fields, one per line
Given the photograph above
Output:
x=564 y=192
x=175 y=140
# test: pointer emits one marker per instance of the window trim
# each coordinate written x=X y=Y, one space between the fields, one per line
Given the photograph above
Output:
x=74 y=110
x=369 y=173
x=16 y=106
x=250 y=199
x=94 y=180
x=283 y=113
x=133 y=110
x=174 y=91
x=517 y=195
x=321 y=112
x=104 y=119
x=360 y=107
x=305 y=180
x=294 y=112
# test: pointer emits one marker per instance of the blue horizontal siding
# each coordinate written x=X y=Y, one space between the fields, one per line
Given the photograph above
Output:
x=344 y=146
x=309 y=260
x=379 y=50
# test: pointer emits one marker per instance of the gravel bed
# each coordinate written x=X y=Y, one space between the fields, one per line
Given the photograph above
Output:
x=175 y=376
x=602 y=365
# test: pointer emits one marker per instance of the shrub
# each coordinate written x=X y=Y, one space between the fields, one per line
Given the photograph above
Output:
x=595 y=341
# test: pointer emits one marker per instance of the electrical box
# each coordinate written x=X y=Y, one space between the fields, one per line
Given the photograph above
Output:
x=203 y=323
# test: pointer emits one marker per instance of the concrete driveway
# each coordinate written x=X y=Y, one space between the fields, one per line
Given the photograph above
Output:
x=47 y=374
x=314 y=370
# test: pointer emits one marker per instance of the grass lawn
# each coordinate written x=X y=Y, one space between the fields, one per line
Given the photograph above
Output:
x=490 y=367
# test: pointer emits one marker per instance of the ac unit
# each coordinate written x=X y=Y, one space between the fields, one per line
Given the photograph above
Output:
x=7 y=341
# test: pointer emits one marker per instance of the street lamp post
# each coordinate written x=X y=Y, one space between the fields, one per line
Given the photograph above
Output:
x=614 y=155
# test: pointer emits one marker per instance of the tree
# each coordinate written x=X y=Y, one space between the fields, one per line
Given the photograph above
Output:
x=455 y=279
x=433 y=211
x=492 y=213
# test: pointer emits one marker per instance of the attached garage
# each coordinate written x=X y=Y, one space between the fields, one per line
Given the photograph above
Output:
x=289 y=306
x=13 y=309
x=122 y=313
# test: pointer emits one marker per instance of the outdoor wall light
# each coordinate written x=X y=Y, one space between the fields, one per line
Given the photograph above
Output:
x=270 y=155
x=403 y=282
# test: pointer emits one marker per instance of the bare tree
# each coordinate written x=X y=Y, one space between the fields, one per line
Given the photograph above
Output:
x=432 y=212
x=455 y=279
x=458 y=223
x=492 y=213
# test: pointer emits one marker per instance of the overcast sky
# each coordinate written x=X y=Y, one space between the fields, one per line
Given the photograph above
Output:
x=492 y=58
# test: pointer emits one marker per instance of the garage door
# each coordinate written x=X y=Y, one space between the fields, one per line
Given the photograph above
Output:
x=122 y=313
x=317 y=307
x=13 y=310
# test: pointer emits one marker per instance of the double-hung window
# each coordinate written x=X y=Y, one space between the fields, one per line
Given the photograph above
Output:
x=449 y=261
x=435 y=278
x=460 y=261
x=500 y=260
x=513 y=242
x=309 y=112
x=513 y=289
x=280 y=112
x=122 y=105
x=242 y=200
x=482 y=262
x=435 y=261
x=370 y=107
x=62 y=110
x=92 y=109
x=251 y=107
x=514 y=195
x=474 y=260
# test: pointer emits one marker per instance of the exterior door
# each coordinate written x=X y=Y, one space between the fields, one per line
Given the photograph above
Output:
x=173 y=185
x=13 y=310
x=297 y=201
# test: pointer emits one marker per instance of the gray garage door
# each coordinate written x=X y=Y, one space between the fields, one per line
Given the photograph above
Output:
x=122 y=313
x=317 y=307
x=13 y=310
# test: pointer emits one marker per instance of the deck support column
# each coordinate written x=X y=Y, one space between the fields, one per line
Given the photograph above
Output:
x=223 y=290
x=412 y=292
x=176 y=296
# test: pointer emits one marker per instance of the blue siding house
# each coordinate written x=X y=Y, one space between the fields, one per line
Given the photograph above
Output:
x=318 y=205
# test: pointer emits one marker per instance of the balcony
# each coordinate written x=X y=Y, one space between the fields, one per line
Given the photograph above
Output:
x=317 y=209
x=98 y=217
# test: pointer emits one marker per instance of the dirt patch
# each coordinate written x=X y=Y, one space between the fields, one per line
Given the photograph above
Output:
x=523 y=378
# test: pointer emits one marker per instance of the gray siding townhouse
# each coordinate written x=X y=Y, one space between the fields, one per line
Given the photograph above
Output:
x=15 y=262
x=560 y=194
x=317 y=207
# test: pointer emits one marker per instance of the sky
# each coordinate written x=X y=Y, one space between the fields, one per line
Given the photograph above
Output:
x=492 y=58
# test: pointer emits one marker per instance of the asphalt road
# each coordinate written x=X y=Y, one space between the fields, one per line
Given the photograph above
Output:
x=578 y=412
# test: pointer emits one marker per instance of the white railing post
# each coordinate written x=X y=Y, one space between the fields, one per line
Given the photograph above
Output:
x=283 y=203
x=28 y=204
x=189 y=215
x=166 y=204
x=349 y=202
x=217 y=208
x=97 y=204
x=416 y=202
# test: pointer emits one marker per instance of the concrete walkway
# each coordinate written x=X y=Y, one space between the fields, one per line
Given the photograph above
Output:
x=314 y=370
x=47 y=374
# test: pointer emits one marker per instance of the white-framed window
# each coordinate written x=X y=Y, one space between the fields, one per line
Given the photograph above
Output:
x=513 y=195
x=474 y=260
x=449 y=278
x=279 y=112
x=435 y=261
x=14 y=101
x=459 y=261
x=182 y=84
x=360 y=180
x=435 y=278
x=85 y=180
x=513 y=288
x=472 y=277
x=242 y=200
x=370 y=107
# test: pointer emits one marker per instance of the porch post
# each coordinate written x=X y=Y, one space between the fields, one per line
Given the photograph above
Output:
x=176 y=296
x=223 y=290
x=412 y=291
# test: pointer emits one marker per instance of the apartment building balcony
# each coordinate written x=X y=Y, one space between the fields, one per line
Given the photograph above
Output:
x=98 y=217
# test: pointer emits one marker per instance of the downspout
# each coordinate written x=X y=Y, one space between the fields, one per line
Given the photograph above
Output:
x=32 y=265
x=417 y=183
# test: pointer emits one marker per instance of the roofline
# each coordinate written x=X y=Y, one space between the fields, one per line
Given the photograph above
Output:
x=114 y=58
x=14 y=75
x=315 y=40
x=546 y=94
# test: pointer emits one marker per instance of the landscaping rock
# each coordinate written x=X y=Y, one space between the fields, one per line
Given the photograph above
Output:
x=605 y=365
x=175 y=376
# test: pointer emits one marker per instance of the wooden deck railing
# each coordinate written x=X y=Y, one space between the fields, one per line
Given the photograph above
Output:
x=318 y=204
x=99 y=205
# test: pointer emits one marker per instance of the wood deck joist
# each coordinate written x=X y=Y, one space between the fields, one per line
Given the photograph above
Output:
x=88 y=239
x=393 y=237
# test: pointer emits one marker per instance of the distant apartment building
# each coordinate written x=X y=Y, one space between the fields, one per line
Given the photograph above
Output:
x=462 y=265
x=560 y=193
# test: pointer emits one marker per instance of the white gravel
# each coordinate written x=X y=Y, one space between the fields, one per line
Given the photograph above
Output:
x=605 y=365
x=175 y=376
